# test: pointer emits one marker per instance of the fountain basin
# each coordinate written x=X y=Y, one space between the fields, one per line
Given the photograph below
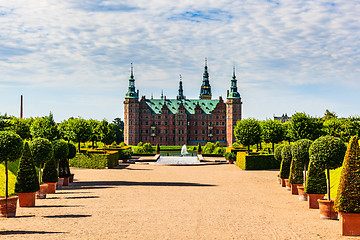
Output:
x=173 y=160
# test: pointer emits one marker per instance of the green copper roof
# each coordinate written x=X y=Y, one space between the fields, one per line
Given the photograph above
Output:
x=155 y=105
x=131 y=92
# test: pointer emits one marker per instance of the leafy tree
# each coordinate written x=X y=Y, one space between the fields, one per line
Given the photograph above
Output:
x=303 y=126
x=286 y=161
x=11 y=149
x=26 y=180
x=300 y=161
x=95 y=131
x=348 y=197
x=4 y=122
x=42 y=151
x=287 y=133
x=209 y=148
x=44 y=127
x=20 y=126
x=61 y=151
x=80 y=130
x=65 y=130
x=118 y=128
x=248 y=132
x=107 y=135
x=327 y=152
x=329 y=115
x=272 y=132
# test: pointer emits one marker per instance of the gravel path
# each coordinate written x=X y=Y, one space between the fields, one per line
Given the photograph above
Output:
x=170 y=202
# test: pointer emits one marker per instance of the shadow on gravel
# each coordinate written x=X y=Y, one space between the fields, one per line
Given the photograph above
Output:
x=72 y=192
x=56 y=206
x=68 y=216
x=25 y=216
x=83 y=197
x=109 y=184
x=26 y=232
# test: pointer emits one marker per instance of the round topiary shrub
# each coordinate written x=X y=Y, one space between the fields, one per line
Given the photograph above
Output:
x=277 y=153
x=42 y=151
x=61 y=149
x=72 y=151
x=11 y=149
x=300 y=160
x=286 y=162
x=348 y=197
x=50 y=172
x=64 y=169
x=316 y=180
x=26 y=180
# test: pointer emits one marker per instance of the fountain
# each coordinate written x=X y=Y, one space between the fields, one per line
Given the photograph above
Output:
x=184 y=159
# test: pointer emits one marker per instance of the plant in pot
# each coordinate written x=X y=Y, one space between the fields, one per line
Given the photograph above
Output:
x=71 y=155
x=327 y=152
x=230 y=156
x=299 y=163
x=199 y=150
x=285 y=166
x=347 y=202
x=42 y=152
x=27 y=182
x=11 y=149
x=61 y=151
x=315 y=185
x=157 y=149
x=50 y=175
x=277 y=156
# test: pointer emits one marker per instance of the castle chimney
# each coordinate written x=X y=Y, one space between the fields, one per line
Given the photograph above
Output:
x=21 y=107
x=227 y=93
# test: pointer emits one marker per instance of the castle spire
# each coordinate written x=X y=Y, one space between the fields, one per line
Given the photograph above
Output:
x=181 y=91
x=233 y=88
x=205 y=91
x=131 y=92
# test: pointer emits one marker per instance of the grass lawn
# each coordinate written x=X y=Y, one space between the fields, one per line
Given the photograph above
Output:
x=13 y=168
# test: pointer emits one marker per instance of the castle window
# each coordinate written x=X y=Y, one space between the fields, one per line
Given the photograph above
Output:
x=160 y=138
x=146 y=131
x=196 y=131
x=159 y=123
x=217 y=123
x=166 y=123
x=223 y=131
x=217 y=131
x=146 y=123
x=146 y=139
x=203 y=123
x=203 y=131
x=223 y=123
x=173 y=131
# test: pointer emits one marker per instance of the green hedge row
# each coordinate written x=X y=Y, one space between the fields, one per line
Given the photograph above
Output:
x=256 y=162
x=95 y=161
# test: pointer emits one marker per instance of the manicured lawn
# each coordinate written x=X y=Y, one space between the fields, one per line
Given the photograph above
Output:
x=13 y=167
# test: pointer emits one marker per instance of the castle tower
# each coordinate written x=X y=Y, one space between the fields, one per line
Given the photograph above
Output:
x=131 y=113
x=205 y=91
x=180 y=96
x=233 y=109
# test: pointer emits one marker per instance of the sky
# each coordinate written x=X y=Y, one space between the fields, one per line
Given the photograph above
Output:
x=72 y=58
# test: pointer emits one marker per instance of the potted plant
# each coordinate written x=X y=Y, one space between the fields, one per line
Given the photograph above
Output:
x=199 y=150
x=277 y=156
x=71 y=155
x=42 y=151
x=300 y=160
x=50 y=175
x=347 y=202
x=157 y=149
x=27 y=182
x=11 y=149
x=285 y=166
x=328 y=153
x=315 y=186
x=61 y=151
x=230 y=156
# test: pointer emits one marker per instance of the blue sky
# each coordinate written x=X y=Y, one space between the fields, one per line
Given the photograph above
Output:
x=73 y=57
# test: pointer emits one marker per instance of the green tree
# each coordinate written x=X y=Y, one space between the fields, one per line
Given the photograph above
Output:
x=81 y=130
x=4 y=122
x=209 y=148
x=95 y=131
x=286 y=162
x=65 y=130
x=316 y=180
x=300 y=161
x=61 y=151
x=26 y=180
x=118 y=128
x=329 y=115
x=302 y=126
x=248 y=132
x=348 y=197
x=272 y=132
x=327 y=152
x=107 y=135
x=11 y=149
x=44 y=127
x=42 y=152
x=21 y=127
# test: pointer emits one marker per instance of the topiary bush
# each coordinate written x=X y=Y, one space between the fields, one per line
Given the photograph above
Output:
x=277 y=153
x=348 y=196
x=327 y=152
x=72 y=151
x=235 y=145
x=42 y=151
x=199 y=148
x=50 y=174
x=26 y=180
x=157 y=148
x=125 y=154
x=286 y=162
x=61 y=151
x=300 y=161
x=316 y=180
x=11 y=149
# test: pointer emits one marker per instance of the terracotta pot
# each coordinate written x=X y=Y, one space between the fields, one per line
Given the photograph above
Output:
x=71 y=178
x=313 y=197
x=51 y=187
x=283 y=183
x=8 y=206
x=231 y=161
x=26 y=199
x=294 y=188
x=60 y=183
x=288 y=185
x=41 y=194
x=302 y=193
x=327 y=210
x=350 y=224
x=66 y=181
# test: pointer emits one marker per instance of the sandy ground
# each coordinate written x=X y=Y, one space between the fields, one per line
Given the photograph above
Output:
x=170 y=202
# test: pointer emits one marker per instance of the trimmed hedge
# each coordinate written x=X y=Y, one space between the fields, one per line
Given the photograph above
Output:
x=316 y=180
x=286 y=162
x=277 y=153
x=50 y=174
x=95 y=161
x=300 y=160
x=256 y=162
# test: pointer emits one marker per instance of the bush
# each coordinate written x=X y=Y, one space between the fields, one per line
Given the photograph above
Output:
x=157 y=148
x=11 y=146
x=61 y=149
x=27 y=181
x=140 y=144
x=230 y=156
x=122 y=144
x=286 y=162
x=72 y=151
x=125 y=154
x=41 y=150
x=64 y=169
x=300 y=159
x=148 y=148
x=50 y=174
x=235 y=145
x=95 y=161
x=256 y=162
x=218 y=150
x=316 y=180
x=277 y=153
x=348 y=197
x=209 y=148
x=199 y=148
